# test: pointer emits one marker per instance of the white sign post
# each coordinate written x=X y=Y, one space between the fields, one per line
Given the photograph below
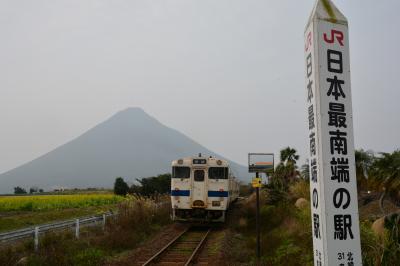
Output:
x=333 y=187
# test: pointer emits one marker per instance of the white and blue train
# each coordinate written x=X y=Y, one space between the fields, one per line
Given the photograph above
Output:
x=202 y=189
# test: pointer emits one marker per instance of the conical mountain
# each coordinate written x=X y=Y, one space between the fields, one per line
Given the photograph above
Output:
x=130 y=144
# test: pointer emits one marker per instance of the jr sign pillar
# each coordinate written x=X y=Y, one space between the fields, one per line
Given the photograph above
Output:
x=334 y=209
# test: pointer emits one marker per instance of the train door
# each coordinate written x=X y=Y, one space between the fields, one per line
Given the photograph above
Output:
x=199 y=199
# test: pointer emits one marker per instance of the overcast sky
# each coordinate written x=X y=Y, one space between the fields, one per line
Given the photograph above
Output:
x=227 y=73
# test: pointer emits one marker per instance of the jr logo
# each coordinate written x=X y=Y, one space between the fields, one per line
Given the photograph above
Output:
x=335 y=34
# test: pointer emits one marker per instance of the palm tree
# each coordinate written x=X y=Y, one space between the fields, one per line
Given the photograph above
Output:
x=288 y=155
x=305 y=171
x=386 y=173
x=286 y=170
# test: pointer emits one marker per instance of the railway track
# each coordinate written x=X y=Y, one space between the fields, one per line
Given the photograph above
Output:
x=183 y=249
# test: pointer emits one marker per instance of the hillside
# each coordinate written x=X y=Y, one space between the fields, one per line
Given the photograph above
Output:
x=131 y=144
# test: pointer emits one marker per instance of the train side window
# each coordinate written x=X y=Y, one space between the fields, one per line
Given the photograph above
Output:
x=180 y=172
x=218 y=173
x=198 y=175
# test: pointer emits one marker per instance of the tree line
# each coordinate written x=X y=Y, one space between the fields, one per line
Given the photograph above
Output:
x=147 y=186
x=376 y=172
x=32 y=190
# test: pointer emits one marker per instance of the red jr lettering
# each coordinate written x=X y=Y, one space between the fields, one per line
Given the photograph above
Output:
x=335 y=33
x=308 y=41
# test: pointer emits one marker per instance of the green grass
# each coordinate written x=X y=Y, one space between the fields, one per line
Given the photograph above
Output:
x=23 y=211
x=137 y=220
x=16 y=220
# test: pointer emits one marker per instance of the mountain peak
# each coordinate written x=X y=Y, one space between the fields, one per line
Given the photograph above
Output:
x=131 y=144
x=132 y=110
x=131 y=114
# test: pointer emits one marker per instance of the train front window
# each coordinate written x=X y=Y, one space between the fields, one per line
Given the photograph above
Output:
x=198 y=175
x=180 y=172
x=218 y=173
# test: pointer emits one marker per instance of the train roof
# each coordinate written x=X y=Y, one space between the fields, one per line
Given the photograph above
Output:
x=200 y=160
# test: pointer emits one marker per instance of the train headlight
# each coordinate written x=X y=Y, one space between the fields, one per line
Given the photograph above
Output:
x=219 y=162
x=180 y=161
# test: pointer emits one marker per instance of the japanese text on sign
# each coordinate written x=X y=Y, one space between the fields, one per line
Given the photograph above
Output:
x=335 y=227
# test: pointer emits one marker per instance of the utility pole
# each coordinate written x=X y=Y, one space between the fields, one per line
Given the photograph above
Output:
x=259 y=163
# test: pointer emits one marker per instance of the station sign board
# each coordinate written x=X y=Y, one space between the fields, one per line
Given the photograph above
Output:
x=333 y=191
x=261 y=162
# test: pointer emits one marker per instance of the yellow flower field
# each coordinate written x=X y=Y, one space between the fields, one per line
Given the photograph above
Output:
x=55 y=202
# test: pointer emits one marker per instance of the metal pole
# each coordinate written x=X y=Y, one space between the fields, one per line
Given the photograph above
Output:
x=77 y=229
x=36 y=240
x=258 y=222
x=104 y=221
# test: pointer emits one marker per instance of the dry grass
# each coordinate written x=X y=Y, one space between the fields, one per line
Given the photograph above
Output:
x=136 y=220
x=371 y=211
x=300 y=189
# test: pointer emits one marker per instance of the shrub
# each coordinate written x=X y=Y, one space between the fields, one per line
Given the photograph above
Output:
x=88 y=257
x=276 y=196
x=136 y=220
x=300 y=189
x=285 y=231
x=149 y=186
x=287 y=253
x=371 y=246
x=391 y=252
x=121 y=188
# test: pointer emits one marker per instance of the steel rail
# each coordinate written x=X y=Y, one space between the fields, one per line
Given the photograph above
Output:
x=165 y=248
x=197 y=248
x=154 y=258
